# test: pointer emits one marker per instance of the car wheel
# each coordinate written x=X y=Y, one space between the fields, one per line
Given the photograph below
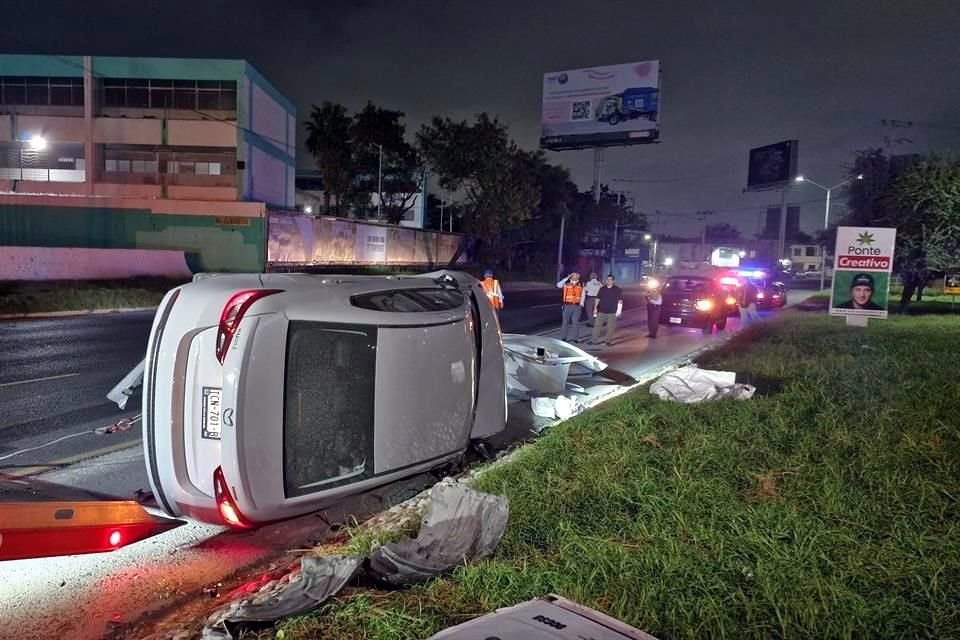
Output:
x=614 y=119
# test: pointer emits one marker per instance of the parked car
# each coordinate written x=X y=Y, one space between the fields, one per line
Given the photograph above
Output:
x=694 y=301
x=269 y=396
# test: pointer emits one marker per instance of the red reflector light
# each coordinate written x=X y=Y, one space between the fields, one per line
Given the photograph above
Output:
x=225 y=504
x=232 y=314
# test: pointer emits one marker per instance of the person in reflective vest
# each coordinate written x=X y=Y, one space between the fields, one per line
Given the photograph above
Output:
x=492 y=288
x=573 y=299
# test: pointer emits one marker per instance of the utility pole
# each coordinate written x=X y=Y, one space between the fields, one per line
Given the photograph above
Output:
x=380 y=186
x=597 y=165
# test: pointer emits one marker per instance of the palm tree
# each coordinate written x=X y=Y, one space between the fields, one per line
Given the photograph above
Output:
x=328 y=141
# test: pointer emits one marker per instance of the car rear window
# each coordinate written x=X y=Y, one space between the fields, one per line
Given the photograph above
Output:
x=410 y=300
x=328 y=405
x=687 y=285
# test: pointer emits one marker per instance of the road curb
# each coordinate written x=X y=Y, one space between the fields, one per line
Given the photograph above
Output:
x=75 y=312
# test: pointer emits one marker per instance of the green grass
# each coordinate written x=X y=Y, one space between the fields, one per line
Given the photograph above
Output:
x=826 y=507
x=36 y=297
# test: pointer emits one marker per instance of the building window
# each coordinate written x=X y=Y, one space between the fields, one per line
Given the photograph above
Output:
x=189 y=95
x=41 y=91
x=797 y=252
x=811 y=251
x=197 y=168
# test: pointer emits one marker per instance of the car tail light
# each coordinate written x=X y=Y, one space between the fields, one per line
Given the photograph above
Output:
x=731 y=300
x=761 y=296
x=226 y=505
x=233 y=312
x=704 y=305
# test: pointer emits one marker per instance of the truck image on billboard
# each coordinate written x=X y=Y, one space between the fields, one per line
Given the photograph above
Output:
x=601 y=106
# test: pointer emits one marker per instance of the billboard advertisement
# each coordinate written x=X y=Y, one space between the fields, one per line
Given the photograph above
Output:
x=861 y=274
x=302 y=240
x=773 y=166
x=601 y=106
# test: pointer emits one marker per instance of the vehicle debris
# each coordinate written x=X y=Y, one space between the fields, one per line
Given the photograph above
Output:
x=548 y=618
x=561 y=407
x=537 y=365
x=691 y=384
x=461 y=525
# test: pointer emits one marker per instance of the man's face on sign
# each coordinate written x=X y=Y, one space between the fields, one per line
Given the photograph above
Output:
x=861 y=294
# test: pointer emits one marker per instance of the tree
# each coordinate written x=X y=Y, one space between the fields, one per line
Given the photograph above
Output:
x=328 y=141
x=399 y=180
x=920 y=196
x=497 y=179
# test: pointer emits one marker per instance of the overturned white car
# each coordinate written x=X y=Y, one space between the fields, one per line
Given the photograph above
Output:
x=269 y=396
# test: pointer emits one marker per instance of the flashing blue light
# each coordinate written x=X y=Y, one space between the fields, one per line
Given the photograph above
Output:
x=752 y=274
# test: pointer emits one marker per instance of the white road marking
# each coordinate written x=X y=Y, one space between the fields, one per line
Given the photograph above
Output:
x=59 y=377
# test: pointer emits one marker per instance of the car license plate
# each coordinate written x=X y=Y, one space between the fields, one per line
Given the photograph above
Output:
x=210 y=417
x=676 y=320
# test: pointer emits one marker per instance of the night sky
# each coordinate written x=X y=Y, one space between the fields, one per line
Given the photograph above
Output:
x=734 y=74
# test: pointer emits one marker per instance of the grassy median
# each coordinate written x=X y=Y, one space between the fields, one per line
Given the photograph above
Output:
x=42 y=297
x=826 y=507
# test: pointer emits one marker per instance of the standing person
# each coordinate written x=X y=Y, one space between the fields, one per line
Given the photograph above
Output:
x=590 y=290
x=573 y=299
x=654 y=301
x=491 y=286
x=606 y=309
x=748 y=303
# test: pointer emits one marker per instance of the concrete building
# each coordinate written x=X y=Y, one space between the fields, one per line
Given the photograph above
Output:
x=143 y=153
x=805 y=258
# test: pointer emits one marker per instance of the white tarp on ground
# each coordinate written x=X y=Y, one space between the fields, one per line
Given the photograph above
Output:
x=539 y=366
x=692 y=384
x=561 y=407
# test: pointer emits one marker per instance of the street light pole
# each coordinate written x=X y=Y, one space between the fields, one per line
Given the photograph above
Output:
x=380 y=186
x=826 y=220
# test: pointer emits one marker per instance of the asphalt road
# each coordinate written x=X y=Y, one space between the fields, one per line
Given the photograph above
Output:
x=55 y=374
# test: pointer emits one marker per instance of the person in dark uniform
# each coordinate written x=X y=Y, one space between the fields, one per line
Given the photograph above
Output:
x=654 y=301
x=861 y=294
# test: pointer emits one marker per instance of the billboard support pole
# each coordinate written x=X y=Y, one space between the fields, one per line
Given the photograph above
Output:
x=782 y=237
x=563 y=223
x=597 y=165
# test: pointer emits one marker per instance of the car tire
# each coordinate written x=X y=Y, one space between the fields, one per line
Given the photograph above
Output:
x=614 y=119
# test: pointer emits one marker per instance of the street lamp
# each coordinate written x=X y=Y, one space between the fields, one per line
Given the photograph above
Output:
x=826 y=218
x=653 y=256
x=308 y=210
x=37 y=143
x=668 y=261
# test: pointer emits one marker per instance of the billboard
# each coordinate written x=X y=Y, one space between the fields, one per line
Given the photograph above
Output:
x=601 y=106
x=861 y=275
x=296 y=240
x=773 y=166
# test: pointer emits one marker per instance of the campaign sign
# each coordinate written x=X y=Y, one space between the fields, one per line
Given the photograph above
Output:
x=861 y=275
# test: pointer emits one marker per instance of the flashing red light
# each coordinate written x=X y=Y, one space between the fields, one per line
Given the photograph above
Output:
x=729 y=280
x=232 y=314
x=115 y=538
x=225 y=503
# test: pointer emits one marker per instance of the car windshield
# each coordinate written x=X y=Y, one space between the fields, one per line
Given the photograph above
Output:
x=687 y=285
x=328 y=405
